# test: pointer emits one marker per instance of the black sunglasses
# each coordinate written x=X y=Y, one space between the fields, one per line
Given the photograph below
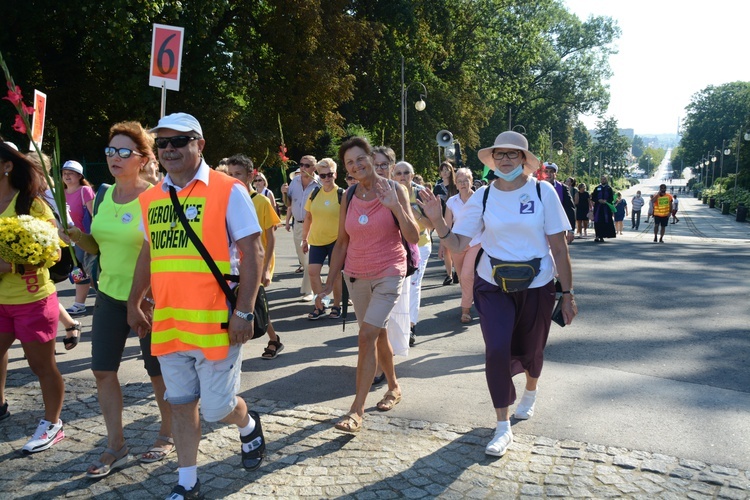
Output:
x=258 y=180
x=329 y=175
x=178 y=141
x=121 y=152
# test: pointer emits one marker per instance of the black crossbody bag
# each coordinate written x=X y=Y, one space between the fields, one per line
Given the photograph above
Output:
x=260 y=311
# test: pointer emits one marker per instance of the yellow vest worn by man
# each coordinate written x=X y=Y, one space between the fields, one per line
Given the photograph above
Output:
x=190 y=305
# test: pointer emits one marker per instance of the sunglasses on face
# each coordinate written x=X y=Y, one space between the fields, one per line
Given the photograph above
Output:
x=178 y=141
x=306 y=165
x=406 y=172
x=329 y=175
x=257 y=180
x=511 y=155
x=121 y=152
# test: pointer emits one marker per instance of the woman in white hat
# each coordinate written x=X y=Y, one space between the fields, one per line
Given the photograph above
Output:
x=522 y=226
x=80 y=199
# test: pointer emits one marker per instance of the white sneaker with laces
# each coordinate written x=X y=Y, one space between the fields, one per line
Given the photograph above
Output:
x=499 y=444
x=46 y=435
x=525 y=408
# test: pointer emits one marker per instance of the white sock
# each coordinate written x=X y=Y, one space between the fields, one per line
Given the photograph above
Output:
x=502 y=426
x=188 y=477
x=82 y=304
x=249 y=428
x=528 y=397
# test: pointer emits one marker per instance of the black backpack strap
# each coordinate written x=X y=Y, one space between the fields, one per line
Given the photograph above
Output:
x=340 y=192
x=99 y=197
x=349 y=195
x=253 y=194
x=201 y=248
x=485 y=196
x=314 y=193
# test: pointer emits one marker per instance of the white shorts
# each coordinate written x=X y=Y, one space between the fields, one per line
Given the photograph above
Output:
x=189 y=376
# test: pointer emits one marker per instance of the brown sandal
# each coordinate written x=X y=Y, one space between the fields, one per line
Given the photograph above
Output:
x=390 y=399
x=351 y=422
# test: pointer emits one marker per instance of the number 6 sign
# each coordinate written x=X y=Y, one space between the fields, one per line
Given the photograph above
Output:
x=166 y=56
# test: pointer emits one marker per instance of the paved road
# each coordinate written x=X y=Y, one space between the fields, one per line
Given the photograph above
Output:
x=645 y=394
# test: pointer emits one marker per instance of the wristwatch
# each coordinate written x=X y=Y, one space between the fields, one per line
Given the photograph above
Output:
x=249 y=316
x=571 y=291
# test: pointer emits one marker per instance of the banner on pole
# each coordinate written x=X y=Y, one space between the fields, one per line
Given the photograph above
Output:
x=37 y=122
x=166 y=56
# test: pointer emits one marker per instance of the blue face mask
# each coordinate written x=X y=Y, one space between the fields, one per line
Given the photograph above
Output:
x=510 y=176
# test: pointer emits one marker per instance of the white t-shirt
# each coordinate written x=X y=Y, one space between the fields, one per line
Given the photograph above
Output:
x=515 y=226
x=456 y=206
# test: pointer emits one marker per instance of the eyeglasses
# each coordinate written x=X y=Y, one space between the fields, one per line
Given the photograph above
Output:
x=511 y=155
x=405 y=172
x=463 y=182
x=178 y=141
x=306 y=165
x=329 y=175
x=382 y=166
x=257 y=180
x=121 y=152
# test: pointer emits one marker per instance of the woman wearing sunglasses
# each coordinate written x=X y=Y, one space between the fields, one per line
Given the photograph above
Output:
x=319 y=233
x=260 y=183
x=116 y=236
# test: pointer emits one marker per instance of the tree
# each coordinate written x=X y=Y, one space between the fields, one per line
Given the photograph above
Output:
x=637 y=147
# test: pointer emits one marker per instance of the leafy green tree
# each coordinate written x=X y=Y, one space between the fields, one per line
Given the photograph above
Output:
x=611 y=147
x=637 y=147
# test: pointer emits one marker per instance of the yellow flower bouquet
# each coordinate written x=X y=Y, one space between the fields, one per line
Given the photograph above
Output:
x=27 y=240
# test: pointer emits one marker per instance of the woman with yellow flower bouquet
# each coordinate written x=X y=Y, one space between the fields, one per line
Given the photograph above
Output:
x=28 y=301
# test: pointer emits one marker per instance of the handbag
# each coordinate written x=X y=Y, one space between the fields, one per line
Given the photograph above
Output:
x=557 y=315
x=62 y=268
x=514 y=276
x=87 y=217
x=260 y=311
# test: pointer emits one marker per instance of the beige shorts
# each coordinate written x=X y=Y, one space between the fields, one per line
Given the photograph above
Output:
x=374 y=298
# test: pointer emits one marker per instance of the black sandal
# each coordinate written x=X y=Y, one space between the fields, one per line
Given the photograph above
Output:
x=71 y=342
x=272 y=353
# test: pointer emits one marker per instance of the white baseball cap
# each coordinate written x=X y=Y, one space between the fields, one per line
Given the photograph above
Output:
x=181 y=122
x=74 y=166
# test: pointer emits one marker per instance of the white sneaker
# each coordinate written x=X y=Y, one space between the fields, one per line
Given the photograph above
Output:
x=499 y=444
x=525 y=408
x=45 y=436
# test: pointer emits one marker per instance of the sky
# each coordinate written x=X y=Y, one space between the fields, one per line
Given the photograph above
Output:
x=668 y=51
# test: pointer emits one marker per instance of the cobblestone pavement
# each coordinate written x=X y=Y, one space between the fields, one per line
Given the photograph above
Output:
x=307 y=458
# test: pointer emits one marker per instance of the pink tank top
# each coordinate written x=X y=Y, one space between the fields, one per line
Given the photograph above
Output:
x=375 y=249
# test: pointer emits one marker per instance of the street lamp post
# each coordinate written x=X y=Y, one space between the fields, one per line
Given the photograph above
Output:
x=420 y=105
x=559 y=149
x=737 y=165
x=724 y=151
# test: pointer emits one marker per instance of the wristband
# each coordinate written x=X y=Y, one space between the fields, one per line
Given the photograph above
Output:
x=566 y=292
x=149 y=300
x=446 y=234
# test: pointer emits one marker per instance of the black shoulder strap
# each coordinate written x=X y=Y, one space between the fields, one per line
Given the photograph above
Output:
x=99 y=197
x=201 y=248
x=253 y=194
x=487 y=195
x=349 y=195
x=340 y=192
x=314 y=193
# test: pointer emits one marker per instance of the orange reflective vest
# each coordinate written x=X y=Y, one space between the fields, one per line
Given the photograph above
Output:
x=190 y=305
x=663 y=205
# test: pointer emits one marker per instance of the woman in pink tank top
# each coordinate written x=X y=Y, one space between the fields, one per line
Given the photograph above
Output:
x=370 y=251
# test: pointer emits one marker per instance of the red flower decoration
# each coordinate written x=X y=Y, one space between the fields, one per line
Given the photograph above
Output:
x=282 y=153
x=27 y=110
x=14 y=95
x=19 y=126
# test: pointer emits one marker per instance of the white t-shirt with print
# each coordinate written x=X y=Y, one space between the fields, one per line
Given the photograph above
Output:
x=515 y=226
